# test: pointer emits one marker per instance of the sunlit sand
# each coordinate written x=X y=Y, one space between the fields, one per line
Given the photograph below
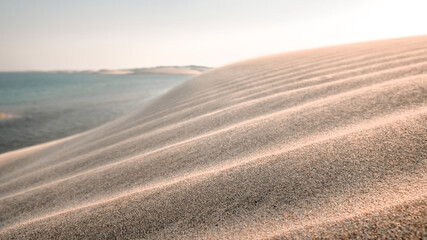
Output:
x=327 y=143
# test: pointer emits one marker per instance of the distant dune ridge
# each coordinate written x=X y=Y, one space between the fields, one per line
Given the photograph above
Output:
x=328 y=143
x=169 y=70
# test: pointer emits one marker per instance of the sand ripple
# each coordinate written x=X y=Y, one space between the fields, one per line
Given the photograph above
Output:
x=328 y=143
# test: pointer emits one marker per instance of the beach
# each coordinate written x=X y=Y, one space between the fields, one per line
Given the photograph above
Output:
x=320 y=143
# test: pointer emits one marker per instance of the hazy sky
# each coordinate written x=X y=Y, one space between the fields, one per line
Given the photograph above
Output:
x=94 y=34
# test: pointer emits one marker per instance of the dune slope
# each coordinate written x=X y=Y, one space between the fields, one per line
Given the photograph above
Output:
x=328 y=142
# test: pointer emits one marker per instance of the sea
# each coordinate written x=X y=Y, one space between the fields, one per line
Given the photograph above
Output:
x=47 y=106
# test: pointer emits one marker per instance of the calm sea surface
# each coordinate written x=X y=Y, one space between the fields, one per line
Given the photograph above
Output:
x=48 y=106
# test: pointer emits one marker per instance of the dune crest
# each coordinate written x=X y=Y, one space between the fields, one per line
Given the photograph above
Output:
x=327 y=142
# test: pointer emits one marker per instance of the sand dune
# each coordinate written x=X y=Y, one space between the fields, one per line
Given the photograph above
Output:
x=328 y=143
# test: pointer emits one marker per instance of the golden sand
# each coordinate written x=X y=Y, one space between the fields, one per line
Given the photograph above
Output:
x=328 y=143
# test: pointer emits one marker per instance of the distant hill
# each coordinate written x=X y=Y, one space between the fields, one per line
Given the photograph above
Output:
x=173 y=70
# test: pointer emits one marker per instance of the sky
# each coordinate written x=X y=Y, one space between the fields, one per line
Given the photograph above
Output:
x=116 y=34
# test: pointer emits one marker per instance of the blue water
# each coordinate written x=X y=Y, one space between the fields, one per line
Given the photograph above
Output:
x=48 y=106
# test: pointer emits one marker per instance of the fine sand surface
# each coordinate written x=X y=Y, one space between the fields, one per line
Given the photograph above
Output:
x=328 y=143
